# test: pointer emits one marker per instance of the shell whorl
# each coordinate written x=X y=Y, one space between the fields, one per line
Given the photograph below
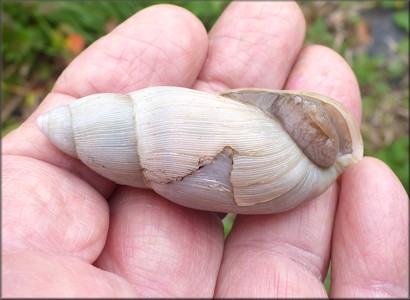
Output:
x=57 y=126
x=316 y=126
x=237 y=151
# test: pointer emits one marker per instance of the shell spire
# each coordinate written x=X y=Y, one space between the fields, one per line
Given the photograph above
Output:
x=250 y=151
x=56 y=125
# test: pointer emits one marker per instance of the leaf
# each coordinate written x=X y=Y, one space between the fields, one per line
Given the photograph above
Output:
x=318 y=33
x=228 y=222
x=401 y=19
x=392 y=4
x=396 y=156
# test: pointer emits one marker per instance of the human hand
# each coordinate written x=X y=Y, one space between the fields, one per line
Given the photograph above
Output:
x=68 y=232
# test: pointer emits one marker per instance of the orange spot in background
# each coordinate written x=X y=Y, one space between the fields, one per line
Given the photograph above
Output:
x=363 y=33
x=75 y=43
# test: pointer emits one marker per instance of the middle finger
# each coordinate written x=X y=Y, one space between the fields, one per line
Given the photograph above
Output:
x=253 y=44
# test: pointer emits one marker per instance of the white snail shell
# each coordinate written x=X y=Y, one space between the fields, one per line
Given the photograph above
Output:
x=250 y=151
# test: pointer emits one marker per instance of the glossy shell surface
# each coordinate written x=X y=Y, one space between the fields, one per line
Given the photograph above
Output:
x=250 y=151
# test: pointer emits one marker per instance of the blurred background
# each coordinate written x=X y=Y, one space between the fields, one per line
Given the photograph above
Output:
x=40 y=38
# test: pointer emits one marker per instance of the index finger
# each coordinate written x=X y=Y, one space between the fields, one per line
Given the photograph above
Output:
x=160 y=46
x=36 y=171
x=370 y=251
x=253 y=45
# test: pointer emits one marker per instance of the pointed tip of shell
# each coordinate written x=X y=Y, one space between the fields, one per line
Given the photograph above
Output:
x=56 y=125
x=42 y=123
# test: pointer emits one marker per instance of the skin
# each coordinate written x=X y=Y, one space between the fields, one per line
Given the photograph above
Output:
x=68 y=232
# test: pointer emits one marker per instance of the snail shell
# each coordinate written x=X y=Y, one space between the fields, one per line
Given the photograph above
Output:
x=250 y=151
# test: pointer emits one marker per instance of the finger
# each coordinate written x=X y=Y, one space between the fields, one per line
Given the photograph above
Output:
x=162 y=249
x=160 y=45
x=288 y=253
x=48 y=209
x=275 y=255
x=371 y=239
x=253 y=44
x=322 y=70
x=28 y=143
x=40 y=275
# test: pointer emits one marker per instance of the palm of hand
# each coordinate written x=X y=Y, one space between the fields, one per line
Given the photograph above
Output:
x=58 y=225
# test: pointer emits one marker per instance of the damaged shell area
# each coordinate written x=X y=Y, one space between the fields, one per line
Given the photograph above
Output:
x=250 y=151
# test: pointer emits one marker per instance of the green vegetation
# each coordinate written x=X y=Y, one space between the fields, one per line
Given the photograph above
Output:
x=228 y=223
x=40 y=38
